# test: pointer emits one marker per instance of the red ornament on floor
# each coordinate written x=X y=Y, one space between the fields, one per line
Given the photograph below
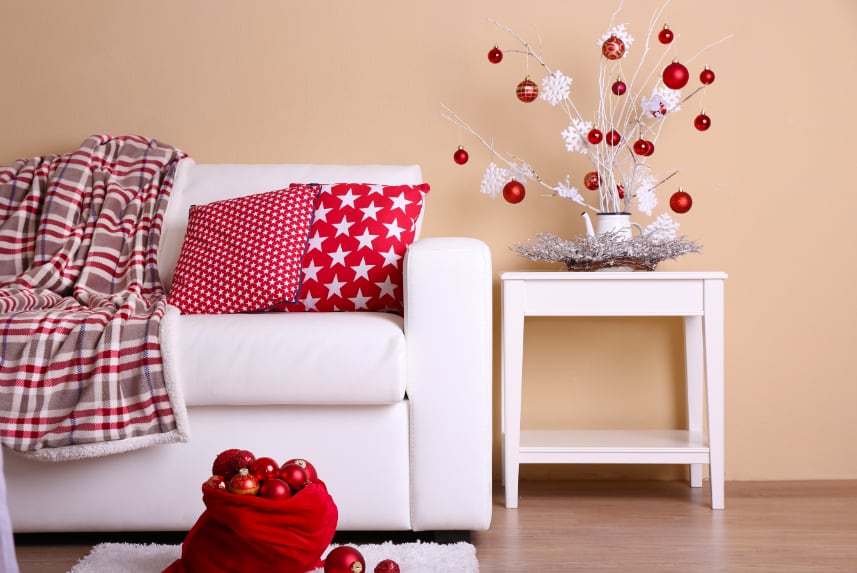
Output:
x=527 y=90
x=460 y=156
x=344 y=559
x=681 y=201
x=387 y=566
x=514 y=192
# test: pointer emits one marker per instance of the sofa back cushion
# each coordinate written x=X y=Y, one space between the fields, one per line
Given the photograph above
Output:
x=199 y=184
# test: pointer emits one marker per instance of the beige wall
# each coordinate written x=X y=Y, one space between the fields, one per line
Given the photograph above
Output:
x=360 y=82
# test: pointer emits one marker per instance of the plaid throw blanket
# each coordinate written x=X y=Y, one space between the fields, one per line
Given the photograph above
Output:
x=81 y=368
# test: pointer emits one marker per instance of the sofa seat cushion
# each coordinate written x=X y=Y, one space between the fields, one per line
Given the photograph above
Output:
x=287 y=358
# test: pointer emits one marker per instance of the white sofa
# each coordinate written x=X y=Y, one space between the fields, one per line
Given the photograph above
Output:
x=395 y=412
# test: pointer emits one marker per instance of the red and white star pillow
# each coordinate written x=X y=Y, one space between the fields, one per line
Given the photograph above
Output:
x=356 y=248
x=243 y=254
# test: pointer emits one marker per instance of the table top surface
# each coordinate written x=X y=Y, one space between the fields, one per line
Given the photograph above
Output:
x=612 y=275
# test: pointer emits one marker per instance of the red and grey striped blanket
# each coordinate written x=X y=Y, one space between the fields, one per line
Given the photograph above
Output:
x=81 y=366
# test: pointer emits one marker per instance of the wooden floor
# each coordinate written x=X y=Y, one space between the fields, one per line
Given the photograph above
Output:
x=624 y=526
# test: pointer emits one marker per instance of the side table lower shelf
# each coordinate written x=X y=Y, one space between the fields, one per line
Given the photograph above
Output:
x=613 y=447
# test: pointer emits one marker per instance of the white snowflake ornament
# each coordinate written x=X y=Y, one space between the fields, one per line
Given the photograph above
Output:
x=575 y=135
x=555 y=88
x=644 y=194
x=662 y=229
x=493 y=180
x=567 y=191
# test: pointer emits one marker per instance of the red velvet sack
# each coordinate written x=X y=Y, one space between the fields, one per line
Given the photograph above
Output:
x=242 y=533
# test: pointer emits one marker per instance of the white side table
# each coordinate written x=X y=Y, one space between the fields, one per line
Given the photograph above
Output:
x=696 y=296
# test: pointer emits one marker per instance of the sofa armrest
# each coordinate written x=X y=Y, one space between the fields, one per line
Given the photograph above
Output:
x=447 y=298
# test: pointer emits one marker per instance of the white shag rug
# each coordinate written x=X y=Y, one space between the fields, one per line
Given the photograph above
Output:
x=419 y=557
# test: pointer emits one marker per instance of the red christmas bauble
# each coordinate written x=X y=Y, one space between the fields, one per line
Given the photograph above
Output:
x=613 y=48
x=651 y=148
x=702 y=122
x=594 y=136
x=591 y=181
x=295 y=476
x=665 y=36
x=527 y=90
x=216 y=482
x=706 y=76
x=620 y=190
x=265 y=468
x=228 y=462
x=387 y=566
x=514 y=191
x=344 y=559
x=643 y=147
x=311 y=474
x=460 y=156
x=243 y=483
x=681 y=201
x=613 y=137
x=618 y=87
x=275 y=489
x=495 y=55
x=675 y=76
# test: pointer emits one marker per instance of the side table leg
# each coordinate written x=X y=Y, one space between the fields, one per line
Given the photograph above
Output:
x=512 y=351
x=694 y=370
x=714 y=378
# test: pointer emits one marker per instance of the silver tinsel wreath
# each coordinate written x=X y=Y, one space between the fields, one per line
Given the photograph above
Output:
x=605 y=250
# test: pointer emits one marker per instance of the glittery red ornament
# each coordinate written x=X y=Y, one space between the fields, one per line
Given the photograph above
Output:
x=594 y=136
x=495 y=55
x=706 y=76
x=387 y=566
x=643 y=147
x=618 y=87
x=591 y=181
x=675 y=76
x=228 y=462
x=514 y=192
x=527 y=90
x=702 y=122
x=460 y=156
x=344 y=559
x=613 y=48
x=613 y=137
x=665 y=36
x=681 y=201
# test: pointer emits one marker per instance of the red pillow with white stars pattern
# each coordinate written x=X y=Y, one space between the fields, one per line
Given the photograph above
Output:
x=243 y=254
x=357 y=246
